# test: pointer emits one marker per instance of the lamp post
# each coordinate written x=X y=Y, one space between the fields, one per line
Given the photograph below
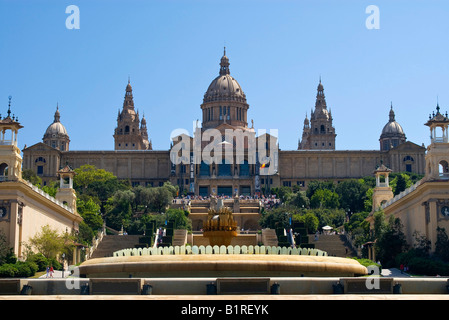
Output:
x=63 y=264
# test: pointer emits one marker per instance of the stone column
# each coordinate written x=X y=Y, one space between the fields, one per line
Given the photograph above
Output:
x=13 y=228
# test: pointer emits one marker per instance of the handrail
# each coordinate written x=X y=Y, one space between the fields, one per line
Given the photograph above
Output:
x=96 y=240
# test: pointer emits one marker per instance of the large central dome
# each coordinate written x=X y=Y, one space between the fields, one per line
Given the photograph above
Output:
x=224 y=101
x=224 y=87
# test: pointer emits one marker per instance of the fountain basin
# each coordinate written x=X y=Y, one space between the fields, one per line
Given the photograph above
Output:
x=220 y=265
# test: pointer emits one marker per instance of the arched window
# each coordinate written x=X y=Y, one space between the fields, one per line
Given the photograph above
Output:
x=40 y=159
x=323 y=130
x=408 y=161
x=127 y=129
x=444 y=169
x=204 y=169
x=3 y=172
x=244 y=169
x=224 y=169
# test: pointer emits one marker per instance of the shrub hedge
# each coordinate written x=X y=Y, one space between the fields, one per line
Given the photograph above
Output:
x=18 y=270
x=423 y=265
x=368 y=262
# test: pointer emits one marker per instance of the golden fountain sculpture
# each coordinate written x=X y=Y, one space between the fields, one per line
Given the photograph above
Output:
x=220 y=227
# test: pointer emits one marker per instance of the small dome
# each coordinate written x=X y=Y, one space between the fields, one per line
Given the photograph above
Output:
x=56 y=128
x=392 y=128
x=224 y=87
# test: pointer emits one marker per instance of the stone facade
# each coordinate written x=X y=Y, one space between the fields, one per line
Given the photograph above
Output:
x=424 y=206
x=25 y=209
x=225 y=108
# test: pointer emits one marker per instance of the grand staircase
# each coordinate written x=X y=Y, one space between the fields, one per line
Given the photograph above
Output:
x=112 y=243
x=179 y=237
x=334 y=245
x=269 y=237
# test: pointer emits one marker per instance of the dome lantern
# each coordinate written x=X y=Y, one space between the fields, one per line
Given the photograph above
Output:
x=392 y=133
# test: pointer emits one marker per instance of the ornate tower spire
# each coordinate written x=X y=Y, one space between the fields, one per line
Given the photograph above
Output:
x=320 y=99
x=224 y=64
x=9 y=107
x=391 y=115
x=320 y=134
x=128 y=102
x=128 y=133
x=57 y=114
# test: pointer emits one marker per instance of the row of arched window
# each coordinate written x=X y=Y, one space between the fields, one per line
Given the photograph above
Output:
x=224 y=113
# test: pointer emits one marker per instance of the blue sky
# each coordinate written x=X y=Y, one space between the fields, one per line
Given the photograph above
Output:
x=171 y=50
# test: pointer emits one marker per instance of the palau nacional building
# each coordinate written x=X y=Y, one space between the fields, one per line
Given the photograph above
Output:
x=237 y=165
x=223 y=157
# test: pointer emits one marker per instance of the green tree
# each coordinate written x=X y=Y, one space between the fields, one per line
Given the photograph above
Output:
x=422 y=244
x=142 y=197
x=51 y=188
x=49 y=242
x=380 y=225
x=174 y=190
x=442 y=245
x=299 y=199
x=368 y=202
x=324 y=198
x=160 y=198
x=118 y=209
x=90 y=212
x=311 y=222
x=278 y=217
x=400 y=182
x=32 y=177
x=391 y=242
x=180 y=217
x=6 y=252
x=283 y=193
x=315 y=185
x=352 y=194
x=331 y=217
x=97 y=183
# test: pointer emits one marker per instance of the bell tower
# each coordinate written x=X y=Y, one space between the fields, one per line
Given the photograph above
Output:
x=320 y=135
x=10 y=158
x=130 y=134
x=66 y=194
x=382 y=192
x=437 y=157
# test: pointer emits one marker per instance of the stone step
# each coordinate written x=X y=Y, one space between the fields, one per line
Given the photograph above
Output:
x=179 y=237
x=112 y=243
x=269 y=237
x=334 y=245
